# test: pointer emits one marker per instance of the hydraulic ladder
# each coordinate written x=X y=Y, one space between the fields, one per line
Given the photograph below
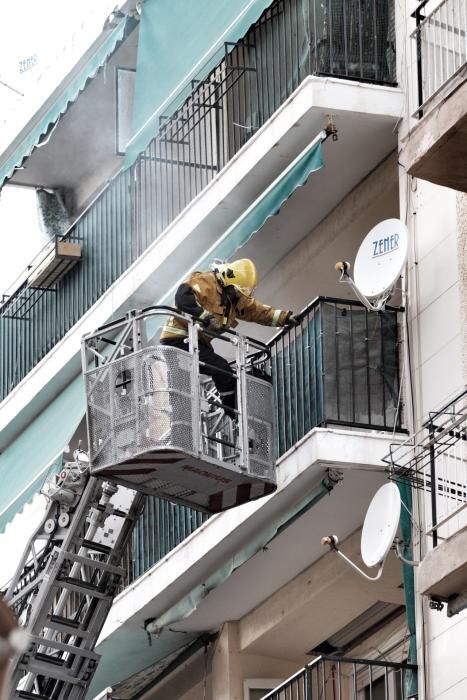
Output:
x=66 y=582
x=144 y=401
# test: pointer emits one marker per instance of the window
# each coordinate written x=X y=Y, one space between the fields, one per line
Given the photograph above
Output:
x=125 y=87
x=378 y=688
x=256 y=688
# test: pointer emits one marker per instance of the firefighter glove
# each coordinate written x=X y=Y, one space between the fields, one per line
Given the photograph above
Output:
x=292 y=320
x=212 y=323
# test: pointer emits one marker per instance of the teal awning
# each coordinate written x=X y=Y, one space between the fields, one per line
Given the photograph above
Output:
x=268 y=204
x=58 y=102
x=179 y=42
x=187 y=605
x=25 y=463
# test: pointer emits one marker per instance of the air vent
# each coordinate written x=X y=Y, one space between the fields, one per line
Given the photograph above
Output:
x=58 y=260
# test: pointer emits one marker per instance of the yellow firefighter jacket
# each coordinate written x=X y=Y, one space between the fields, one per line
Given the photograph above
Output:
x=214 y=299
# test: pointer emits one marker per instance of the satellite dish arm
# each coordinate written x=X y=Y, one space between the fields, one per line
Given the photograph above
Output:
x=397 y=544
x=344 y=267
x=332 y=541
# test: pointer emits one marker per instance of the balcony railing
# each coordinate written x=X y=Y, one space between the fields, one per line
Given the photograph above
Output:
x=292 y=39
x=340 y=367
x=161 y=527
x=434 y=460
x=441 y=40
x=346 y=679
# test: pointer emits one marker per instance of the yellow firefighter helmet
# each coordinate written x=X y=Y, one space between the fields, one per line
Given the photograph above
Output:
x=242 y=274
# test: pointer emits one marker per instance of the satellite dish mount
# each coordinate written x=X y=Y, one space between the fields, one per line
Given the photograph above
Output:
x=378 y=533
x=379 y=263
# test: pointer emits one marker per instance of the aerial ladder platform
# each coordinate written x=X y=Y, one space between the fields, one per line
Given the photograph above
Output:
x=156 y=425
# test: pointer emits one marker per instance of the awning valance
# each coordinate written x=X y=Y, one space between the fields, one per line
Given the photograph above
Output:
x=35 y=453
x=61 y=98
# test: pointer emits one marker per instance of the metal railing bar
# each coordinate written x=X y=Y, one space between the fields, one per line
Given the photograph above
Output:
x=446 y=519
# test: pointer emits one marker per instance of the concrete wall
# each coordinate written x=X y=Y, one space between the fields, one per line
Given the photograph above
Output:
x=308 y=269
x=433 y=295
x=102 y=140
x=437 y=316
x=462 y=270
x=436 y=313
x=220 y=674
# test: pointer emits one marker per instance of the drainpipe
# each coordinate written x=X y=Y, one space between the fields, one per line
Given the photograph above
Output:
x=411 y=677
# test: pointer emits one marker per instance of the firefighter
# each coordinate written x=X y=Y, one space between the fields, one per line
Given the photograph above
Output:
x=217 y=299
x=12 y=639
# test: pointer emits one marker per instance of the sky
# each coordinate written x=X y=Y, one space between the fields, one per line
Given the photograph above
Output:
x=40 y=41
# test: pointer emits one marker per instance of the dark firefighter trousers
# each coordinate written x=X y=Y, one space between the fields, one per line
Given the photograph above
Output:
x=224 y=379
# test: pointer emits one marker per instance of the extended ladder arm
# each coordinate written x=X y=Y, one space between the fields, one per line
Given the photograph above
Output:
x=66 y=582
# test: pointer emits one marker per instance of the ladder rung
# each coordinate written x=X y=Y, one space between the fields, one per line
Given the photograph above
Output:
x=75 y=584
x=87 y=561
x=68 y=648
x=95 y=546
x=29 y=696
x=50 y=671
x=63 y=621
x=64 y=624
x=48 y=659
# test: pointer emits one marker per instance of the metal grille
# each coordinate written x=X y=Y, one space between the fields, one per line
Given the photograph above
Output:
x=434 y=460
x=161 y=527
x=260 y=427
x=292 y=39
x=140 y=402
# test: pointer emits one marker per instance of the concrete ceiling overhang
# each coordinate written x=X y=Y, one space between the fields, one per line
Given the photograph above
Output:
x=436 y=148
x=82 y=143
x=293 y=551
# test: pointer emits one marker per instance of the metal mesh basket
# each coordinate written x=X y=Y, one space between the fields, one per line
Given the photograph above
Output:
x=156 y=424
x=138 y=403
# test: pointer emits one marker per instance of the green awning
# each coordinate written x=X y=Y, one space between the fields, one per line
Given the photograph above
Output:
x=37 y=451
x=180 y=42
x=268 y=204
x=189 y=603
x=59 y=101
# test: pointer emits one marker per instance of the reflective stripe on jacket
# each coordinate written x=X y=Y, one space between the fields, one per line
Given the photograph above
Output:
x=227 y=308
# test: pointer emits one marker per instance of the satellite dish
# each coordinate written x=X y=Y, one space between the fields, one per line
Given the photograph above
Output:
x=381 y=258
x=381 y=523
x=378 y=533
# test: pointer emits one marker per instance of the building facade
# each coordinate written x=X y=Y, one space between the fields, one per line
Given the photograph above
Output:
x=248 y=603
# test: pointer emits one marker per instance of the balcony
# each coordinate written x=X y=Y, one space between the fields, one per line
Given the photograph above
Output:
x=223 y=113
x=434 y=461
x=346 y=679
x=436 y=148
x=340 y=367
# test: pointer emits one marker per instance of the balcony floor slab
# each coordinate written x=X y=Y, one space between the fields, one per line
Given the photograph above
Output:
x=436 y=148
x=443 y=571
